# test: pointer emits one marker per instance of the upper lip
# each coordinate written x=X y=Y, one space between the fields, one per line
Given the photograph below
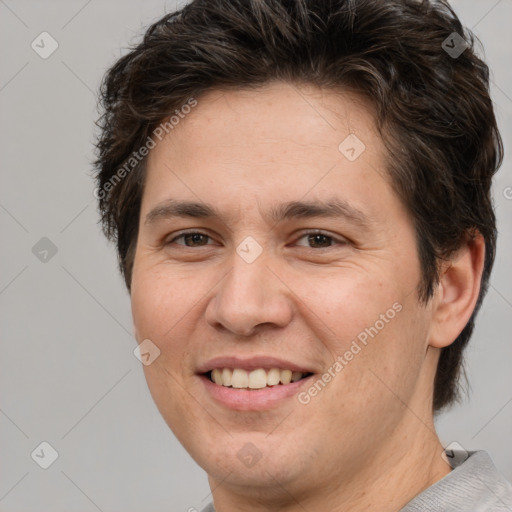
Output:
x=252 y=363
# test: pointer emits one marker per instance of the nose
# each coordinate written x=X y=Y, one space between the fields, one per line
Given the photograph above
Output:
x=250 y=296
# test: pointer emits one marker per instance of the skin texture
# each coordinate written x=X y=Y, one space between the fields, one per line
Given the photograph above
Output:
x=366 y=441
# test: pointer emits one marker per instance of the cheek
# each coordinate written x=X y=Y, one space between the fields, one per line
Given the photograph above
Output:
x=158 y=303
x=375 y=328
x=159 y=311
x=347 y=303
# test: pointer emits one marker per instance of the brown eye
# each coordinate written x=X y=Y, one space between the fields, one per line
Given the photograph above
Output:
x=193 y=239
x=320 y=240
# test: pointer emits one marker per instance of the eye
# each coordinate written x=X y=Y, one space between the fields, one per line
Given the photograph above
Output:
x=191 y=239
x=317 y=239
x=320 y=239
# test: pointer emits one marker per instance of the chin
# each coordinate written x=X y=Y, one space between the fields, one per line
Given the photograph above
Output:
x=246 y=462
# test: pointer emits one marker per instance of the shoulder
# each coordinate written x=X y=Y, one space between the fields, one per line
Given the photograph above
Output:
x=474 y=485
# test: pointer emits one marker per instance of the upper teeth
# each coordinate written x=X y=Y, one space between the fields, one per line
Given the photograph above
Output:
x=255 y=379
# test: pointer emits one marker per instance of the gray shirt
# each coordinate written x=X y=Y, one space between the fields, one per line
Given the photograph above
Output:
x=473 y=485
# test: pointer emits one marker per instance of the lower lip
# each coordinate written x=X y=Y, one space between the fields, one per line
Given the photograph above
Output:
x=254 y=400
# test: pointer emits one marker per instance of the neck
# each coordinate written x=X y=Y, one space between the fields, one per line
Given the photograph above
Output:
x=407 y=465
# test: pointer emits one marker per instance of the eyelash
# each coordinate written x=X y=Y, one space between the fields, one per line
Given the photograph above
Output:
x=304 y=234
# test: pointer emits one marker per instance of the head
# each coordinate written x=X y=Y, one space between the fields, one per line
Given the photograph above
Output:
x=249 y=108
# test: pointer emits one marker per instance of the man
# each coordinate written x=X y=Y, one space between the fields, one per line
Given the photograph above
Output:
x=300 y=195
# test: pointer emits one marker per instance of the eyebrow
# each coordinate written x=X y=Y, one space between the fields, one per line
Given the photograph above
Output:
x=333 y=208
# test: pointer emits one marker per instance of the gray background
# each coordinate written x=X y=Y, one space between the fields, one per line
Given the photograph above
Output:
x=68 y=375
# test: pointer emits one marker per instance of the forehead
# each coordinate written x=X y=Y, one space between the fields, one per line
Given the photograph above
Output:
x=280 y=141
x=278 y=113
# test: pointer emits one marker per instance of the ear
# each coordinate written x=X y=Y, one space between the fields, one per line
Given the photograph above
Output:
x=456 y=295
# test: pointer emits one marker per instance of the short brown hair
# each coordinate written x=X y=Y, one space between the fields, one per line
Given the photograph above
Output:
x=432 y=107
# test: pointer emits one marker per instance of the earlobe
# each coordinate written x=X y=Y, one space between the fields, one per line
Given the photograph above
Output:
x=457 y=292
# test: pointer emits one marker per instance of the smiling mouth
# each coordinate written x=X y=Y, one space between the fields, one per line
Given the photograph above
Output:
x=256 y=379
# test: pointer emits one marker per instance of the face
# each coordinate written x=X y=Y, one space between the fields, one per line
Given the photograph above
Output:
x=253 y=285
